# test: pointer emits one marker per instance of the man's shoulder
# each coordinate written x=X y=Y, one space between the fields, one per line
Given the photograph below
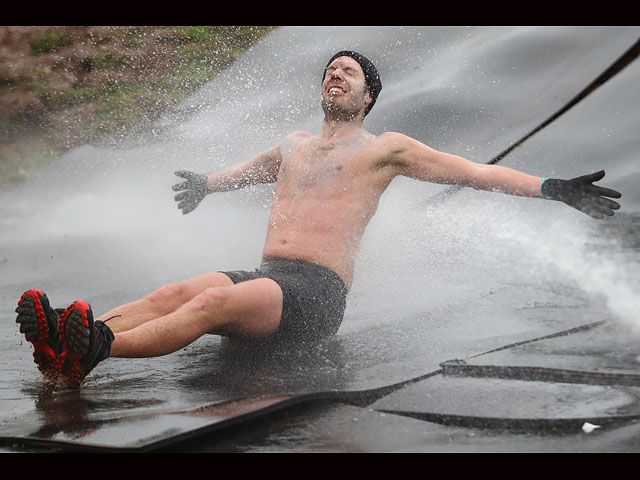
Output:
x=294 y=138
x=393 y=141
x=393 y=137
x=298 y=135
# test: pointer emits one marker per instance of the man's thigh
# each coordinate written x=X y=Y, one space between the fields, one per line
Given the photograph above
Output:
x=252 y=309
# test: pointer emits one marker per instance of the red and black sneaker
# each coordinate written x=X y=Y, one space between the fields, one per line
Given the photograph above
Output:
x=39 y=323
x=87 y=342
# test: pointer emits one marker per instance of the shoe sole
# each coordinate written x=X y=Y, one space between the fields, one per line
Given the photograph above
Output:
x=75 y=331
x=33 y=323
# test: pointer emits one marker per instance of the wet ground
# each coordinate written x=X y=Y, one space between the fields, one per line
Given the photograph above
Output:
x=477 y=322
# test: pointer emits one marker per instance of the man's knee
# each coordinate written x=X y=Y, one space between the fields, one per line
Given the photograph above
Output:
x=212 y=299
x=171 y=294
x=212 y=307
x=178 y=293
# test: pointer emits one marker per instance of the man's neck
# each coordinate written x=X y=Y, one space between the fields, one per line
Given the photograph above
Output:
x=336 y=130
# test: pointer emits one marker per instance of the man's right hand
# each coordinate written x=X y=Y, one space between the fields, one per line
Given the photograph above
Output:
x=191 y=192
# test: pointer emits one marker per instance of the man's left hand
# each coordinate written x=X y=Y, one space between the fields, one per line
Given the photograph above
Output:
x=581 y=194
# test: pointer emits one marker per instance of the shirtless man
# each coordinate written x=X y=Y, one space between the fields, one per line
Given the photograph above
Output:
x=327 y=189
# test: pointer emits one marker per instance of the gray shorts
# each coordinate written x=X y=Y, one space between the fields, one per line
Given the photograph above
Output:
x=314 y=297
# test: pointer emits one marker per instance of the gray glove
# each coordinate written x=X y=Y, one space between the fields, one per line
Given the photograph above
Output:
x=191 y=192
x=581 y=194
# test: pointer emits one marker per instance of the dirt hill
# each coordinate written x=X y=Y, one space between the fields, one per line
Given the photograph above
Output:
x=65 y=86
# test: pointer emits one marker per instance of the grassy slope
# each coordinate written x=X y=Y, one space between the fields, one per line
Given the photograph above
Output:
x=65 y=86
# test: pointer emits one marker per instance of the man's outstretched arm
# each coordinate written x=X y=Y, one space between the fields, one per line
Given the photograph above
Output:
x=421 y=162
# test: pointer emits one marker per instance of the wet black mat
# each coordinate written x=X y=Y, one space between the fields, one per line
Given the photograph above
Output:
x=230 y=383
x=554 y=384
x=346 y=428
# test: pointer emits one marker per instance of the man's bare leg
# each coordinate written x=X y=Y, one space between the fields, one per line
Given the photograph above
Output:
x=249 y=309
x=161 y=302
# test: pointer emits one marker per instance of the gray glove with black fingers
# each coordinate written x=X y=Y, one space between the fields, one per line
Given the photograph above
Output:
x=581 y=194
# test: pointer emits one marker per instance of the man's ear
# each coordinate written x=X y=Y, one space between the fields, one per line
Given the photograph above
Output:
x=368 y=99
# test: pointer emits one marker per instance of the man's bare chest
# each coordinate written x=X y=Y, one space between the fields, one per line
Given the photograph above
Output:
x=309 y=167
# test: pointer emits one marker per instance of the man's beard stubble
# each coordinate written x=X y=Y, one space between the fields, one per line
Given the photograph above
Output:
x=344 y=112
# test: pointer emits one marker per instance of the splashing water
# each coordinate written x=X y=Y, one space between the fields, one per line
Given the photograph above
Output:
x=567 y=246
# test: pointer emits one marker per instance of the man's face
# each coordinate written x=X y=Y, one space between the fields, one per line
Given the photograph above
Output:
x=344 y=89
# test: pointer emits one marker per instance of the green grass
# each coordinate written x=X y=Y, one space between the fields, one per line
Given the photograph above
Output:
x=51 y=41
